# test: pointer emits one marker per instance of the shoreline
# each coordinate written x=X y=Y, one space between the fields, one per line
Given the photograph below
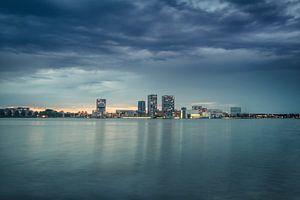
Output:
x=136 y=118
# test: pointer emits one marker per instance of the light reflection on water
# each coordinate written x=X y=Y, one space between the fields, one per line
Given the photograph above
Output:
x=149 y=159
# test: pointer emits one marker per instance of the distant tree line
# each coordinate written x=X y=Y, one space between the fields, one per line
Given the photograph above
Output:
x=21 y=112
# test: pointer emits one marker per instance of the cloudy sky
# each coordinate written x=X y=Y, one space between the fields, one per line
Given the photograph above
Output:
x=63 y=54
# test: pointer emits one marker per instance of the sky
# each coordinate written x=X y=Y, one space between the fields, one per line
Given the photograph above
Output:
x=63 y=54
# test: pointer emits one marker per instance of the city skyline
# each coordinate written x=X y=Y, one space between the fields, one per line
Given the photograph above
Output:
x=64 y=54
x=167 y=111
x=167 y=106
x=111 y=108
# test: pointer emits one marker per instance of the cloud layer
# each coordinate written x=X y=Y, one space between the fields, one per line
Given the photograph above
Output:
x=215 y=50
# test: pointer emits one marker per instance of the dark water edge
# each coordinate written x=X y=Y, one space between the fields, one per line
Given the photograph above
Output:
x=149 y=159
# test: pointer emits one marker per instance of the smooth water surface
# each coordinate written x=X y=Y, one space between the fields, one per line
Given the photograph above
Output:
x=149 y=159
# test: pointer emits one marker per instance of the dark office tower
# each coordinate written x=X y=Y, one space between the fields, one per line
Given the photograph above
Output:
x=141 y=108
x=152 y=105
x=183 y=114
x=168 y=105
x=100 y=107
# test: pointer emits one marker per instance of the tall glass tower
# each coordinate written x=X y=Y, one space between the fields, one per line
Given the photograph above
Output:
x=168 y=105
x=101 y=107
x=141 y=108
x=152 y=105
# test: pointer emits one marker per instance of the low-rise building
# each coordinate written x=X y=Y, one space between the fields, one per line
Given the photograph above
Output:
x=126 y=113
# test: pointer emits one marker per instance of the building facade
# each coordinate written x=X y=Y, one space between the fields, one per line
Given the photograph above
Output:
x=198 y=112
x=183 y=114
x=141 y=108
x=100 y=107
x=152 y=105
x=168 y=105
x=235 y=111
x=126 y=113
x=215 y=113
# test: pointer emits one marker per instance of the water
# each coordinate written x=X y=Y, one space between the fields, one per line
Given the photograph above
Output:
x=149 y=159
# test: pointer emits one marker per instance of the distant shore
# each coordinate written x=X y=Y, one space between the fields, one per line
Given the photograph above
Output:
x=145 y=118
x=24 y=112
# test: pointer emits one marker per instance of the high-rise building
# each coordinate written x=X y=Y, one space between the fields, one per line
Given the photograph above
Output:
x=168 y=105
x=235 y=111
x=183 y=114
x=141 y=108
x=152 y=105
x=100 y=107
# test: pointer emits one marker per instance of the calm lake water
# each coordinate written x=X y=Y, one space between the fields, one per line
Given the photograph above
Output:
x=149 y=159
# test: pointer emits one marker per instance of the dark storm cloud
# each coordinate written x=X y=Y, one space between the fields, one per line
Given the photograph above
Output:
x=87 y=25
x=56 y=25
x=123 y=34
x=266 y=12
x=96 y=26
x=32 y=7
x=165 y=40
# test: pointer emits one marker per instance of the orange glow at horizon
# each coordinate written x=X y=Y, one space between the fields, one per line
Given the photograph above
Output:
x=89 y=109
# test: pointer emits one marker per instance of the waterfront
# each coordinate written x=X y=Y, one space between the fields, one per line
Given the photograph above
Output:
x=149 y=159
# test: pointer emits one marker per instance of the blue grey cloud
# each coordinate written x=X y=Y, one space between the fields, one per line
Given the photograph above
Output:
x=202 y=43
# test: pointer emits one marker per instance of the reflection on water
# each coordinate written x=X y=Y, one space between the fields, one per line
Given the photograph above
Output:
x=149 y=159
